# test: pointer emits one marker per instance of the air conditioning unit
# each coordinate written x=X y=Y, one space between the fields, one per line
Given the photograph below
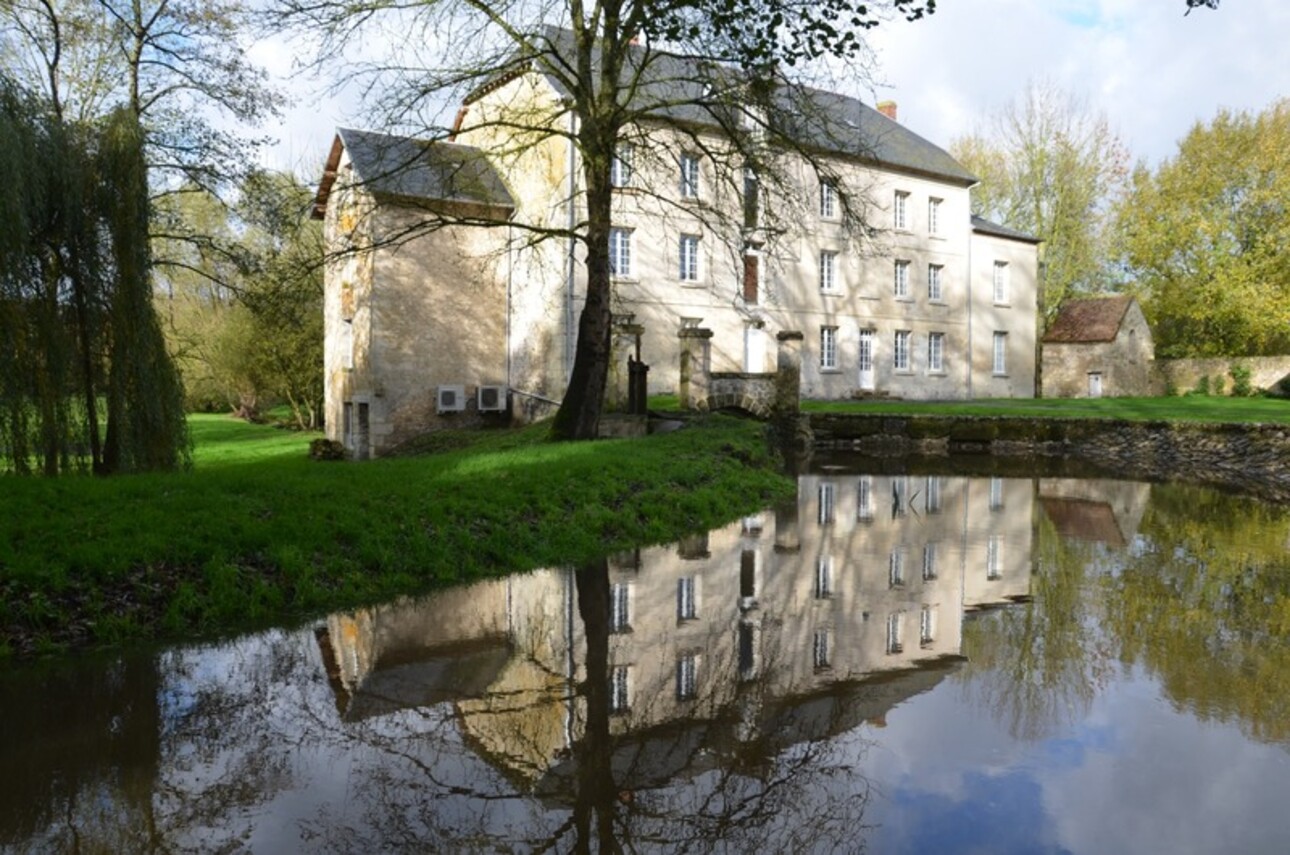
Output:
x=450 y=399
x=491 y=399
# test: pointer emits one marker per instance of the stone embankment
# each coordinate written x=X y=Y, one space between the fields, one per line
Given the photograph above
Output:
x=1252 y=458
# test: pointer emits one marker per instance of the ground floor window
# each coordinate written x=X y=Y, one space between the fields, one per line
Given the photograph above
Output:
x=1000 y=353
x=935 y=352
x=828 y=348
x=901 y=359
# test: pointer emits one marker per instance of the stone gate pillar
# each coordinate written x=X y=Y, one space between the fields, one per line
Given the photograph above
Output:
x=695 y=384
x=788 y=373
x=624 y=344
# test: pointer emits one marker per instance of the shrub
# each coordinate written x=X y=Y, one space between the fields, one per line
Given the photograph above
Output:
x=326 y=449
x=1202 y=386
x=1241 y=386
x=1171 y=388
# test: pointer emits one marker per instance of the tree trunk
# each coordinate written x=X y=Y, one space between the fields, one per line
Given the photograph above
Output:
x=579 y=413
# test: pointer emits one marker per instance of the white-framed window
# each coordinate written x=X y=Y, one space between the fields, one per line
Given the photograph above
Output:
x=689 y=175
x=824 y=577
x=620 y=168
x=896 y=568
x=1000 y=353
x=900 y=281
x=619 y=689
x=828 y=271
x=620 y=604
x=896 y=632
x=933 y=216
x=900 y=211
x=828 y=200
x=929 y=562
x=828 y=348
x=828 y=491
x=900 y=355
x=820 y=653
x=1001 y=282
x=899 y=496
x=935 y=291
x=687 y=673
x=864 y=498
x=935 y=352
x=927 y=625
x=689 y=258
x=687 y=603
x=996 y=494
x=994 y=557
x=932 y=495
x=620 y=252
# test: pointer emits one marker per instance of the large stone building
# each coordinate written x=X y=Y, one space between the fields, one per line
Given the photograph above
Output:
x=427 y=325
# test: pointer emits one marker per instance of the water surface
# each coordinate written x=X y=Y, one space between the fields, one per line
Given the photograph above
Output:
x=891 y=663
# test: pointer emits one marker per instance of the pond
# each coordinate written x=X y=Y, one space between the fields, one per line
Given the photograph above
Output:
x=893 y=663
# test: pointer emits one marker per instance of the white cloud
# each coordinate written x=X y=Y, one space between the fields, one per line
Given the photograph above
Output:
x=1153 y=71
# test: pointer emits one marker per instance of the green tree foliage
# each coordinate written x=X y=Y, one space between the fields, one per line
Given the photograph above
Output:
x=1051 y=168
x=245 y=326
x=1206 y=236
x=283 y=290
x=85 y=378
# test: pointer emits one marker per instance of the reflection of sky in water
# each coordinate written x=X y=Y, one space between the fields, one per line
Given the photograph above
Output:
x=1135 y=775
x=252 y=746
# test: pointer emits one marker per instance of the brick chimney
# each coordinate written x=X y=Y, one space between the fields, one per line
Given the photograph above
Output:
x=888 y=109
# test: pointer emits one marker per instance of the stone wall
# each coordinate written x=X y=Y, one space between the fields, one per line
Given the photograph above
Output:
x=1266 y=372
x=1252 y=458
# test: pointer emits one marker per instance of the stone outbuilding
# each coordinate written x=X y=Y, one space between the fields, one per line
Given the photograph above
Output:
x=1098 y=347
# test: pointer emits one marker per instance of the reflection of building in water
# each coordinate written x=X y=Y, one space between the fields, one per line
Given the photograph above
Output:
x=788 y=625
x=1094 y=510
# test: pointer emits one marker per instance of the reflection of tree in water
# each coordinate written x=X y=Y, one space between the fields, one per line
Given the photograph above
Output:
x=1040 y=663
x=1204 y=603
x=741 y=781
x=752 y=795
x=81 y=758
x=1201 y=599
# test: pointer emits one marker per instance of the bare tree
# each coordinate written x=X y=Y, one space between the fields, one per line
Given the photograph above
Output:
x=723 y=79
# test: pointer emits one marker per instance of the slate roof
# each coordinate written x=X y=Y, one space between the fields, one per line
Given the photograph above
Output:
x=984 y=226
x=677 y=89
x=1088 y=321
x=395 y=167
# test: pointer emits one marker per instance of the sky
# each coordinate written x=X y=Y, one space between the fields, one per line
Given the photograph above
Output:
x=1153 y=71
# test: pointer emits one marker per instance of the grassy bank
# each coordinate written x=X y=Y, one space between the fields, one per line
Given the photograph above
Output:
x=1196 y=408
x=258 y=533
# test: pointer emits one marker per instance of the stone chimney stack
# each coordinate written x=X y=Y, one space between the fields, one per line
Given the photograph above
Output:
x=888 y=109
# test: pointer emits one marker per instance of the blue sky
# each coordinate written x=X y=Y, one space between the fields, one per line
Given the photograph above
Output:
x=1151 y=70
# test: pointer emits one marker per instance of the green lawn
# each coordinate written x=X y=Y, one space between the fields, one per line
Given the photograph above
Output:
x=257 y=532
x=1194 y=408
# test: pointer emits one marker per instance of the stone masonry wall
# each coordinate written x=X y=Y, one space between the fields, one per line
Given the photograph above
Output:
x=1253 y=458
x=1266 y=372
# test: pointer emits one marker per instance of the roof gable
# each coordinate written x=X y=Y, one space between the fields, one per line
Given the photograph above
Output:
x=403 y=168
x=983 y=226
x=1088 y=321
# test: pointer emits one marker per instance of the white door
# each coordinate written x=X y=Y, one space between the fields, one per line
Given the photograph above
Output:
x=754 y=349
x=1094 y=384
x=866 y=360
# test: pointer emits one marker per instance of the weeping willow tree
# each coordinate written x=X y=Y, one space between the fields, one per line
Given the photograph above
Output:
x=85 y=379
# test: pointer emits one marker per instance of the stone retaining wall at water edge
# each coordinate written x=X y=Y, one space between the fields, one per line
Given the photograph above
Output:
x=1252 y=458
